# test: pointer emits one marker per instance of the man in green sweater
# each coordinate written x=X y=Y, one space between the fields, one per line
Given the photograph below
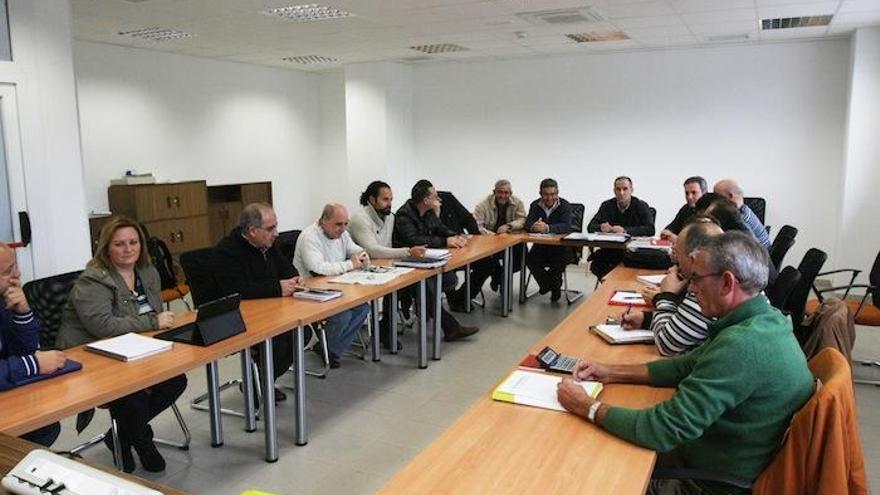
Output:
x=735 y=394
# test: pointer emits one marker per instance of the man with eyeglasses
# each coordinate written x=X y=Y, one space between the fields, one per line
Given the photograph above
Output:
x=677 y=320
x=248 y=263
x=735 y=394
x=20 y=330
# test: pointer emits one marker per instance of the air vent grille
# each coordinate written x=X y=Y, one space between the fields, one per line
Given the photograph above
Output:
x=597 y=36
x=156 y=34
x=561 y=16
x=311 y=59
x=439 y=48
x=307 y=13
x=795 y=22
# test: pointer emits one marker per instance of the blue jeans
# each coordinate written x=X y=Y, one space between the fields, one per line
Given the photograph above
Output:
x=342 y=328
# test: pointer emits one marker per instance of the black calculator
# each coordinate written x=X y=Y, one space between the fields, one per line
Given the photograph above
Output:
x=553 y=361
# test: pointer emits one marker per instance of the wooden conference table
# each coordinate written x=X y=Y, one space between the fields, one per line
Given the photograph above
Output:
x=497 y=447
x=13 y=450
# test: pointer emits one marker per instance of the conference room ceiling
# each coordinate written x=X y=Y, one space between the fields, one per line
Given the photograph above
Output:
x=422 y=31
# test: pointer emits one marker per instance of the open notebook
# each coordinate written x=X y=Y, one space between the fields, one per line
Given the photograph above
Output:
x=536 y=389
x=615 y=334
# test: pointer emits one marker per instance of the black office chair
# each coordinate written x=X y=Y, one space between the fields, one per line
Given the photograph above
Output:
x=573 y=255
x=455 y=216
x=286 y=243
x=758 y=206
x=780 y=291
x=809 y=268
x=47 y=298
x=783 y=241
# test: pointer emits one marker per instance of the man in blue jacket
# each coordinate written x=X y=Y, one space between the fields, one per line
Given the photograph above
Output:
x=19 y=339
x=548 y=214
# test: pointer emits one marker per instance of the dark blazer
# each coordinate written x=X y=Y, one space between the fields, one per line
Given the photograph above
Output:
x=685 y=213
x=559 y=220
x=242 y=268
x=411 y=229
x=636 y=220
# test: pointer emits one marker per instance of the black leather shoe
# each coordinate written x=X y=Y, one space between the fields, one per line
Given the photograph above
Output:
x=151 y=459
x=279 y=395
x=555 y=295
x=127 y=457
x=460 y=333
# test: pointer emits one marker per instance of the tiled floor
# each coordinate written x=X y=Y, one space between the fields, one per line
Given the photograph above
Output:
x=368 y=419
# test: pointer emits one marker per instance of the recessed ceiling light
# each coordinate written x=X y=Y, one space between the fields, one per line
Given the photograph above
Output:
x=439 y=48
x=311 y=59
x=795 y=22
x=307 y=12
x=156 y=34
x=598 y=36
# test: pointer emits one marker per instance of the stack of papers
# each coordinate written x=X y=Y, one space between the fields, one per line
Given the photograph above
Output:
x=369 y=277
x=425 y=262
x=315 y=294
x=627 y=298
x=596 y=236
x=650 y=243
x=129 y=347
x=651 y=279
x=615 y=334
x=537 y=389
x=440 y=254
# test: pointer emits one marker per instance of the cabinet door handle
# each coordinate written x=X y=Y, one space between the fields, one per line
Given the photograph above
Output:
x=180 y=235
x=177 y=201
x=169 y=201
x=172 y=237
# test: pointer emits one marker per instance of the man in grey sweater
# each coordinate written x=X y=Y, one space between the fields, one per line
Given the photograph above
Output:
x=372 y=227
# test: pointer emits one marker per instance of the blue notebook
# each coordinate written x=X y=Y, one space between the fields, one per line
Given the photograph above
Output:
x=69 y=366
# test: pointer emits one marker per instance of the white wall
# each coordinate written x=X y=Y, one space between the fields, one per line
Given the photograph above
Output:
x=42 y=75
x=771 y=116
x=860 y=234
x=187 y=118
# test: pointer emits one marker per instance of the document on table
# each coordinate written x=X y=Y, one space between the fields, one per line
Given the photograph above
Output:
x=361 y=277
x=129 y=347
x=537 y=389
x=440 y=254
x=651 y=279
x=615 y=334
x=596 y=236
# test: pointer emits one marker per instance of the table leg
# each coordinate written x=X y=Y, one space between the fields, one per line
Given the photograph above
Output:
x=467 y=288
x=247 y=376
x=438 y=308
x=214 y=404
x=423 y=326
x=299 y=377
x=268 y=380
x=393 y=322
x=505 y=283
x=523 y=276
x=374 y=323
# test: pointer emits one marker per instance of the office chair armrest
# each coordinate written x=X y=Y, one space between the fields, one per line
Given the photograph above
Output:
x=852 y=280
x=841 y=270
x=847 y=287
x=700 y=475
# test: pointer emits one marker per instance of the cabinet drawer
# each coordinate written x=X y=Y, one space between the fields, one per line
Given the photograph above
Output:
x=147 y=203
x=182 y=234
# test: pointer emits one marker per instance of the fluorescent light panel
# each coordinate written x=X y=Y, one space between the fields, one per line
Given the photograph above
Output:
x=439 y=48
x=311 y=59
x=156 y=34
x=307 y=12
x=598 y=36
x=795 y=22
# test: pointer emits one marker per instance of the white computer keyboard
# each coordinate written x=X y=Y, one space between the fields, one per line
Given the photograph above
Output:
x=41 y=472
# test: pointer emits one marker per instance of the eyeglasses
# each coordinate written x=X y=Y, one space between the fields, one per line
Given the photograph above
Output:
x=696 y=278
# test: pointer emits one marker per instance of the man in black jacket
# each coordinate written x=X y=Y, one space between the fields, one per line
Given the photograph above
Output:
x=549 y=214
x=416 y=224
x=622 y=214
x=694 y=188
x=247 y=262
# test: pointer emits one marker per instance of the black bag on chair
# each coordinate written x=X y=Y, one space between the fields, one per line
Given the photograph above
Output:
x=655 y=259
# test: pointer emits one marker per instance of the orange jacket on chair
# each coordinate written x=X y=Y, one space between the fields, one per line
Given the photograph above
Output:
x=822 y=452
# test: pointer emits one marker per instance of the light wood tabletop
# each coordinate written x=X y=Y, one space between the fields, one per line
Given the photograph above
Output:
x=479 y=247
x=497 y=447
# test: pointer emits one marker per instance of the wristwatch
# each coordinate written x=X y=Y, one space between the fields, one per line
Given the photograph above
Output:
x=591 y=412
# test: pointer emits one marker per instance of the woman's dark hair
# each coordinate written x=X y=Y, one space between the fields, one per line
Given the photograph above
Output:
x=372 y=191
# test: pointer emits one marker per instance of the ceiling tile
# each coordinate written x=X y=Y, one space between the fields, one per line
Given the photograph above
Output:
x=640 y=9
x=646 y=22
x=692 y=6
x=721 y=16
x=859 y=6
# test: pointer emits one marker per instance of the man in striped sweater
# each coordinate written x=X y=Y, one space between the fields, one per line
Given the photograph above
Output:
x=19 y=339
x=677 y=321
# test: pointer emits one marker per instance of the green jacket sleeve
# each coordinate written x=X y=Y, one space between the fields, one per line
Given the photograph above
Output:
x=718 y=382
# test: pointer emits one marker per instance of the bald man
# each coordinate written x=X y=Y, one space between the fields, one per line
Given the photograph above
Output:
x=20 y=338
x=677 y=321
x=326 y=248
x=731 y=190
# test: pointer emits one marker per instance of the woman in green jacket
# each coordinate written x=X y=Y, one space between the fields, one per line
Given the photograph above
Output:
x=120 y=292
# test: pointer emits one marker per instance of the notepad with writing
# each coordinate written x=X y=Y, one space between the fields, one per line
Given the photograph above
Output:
x=627 y=298
x=129 y=347
x=537 y=389
x=615 y=334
